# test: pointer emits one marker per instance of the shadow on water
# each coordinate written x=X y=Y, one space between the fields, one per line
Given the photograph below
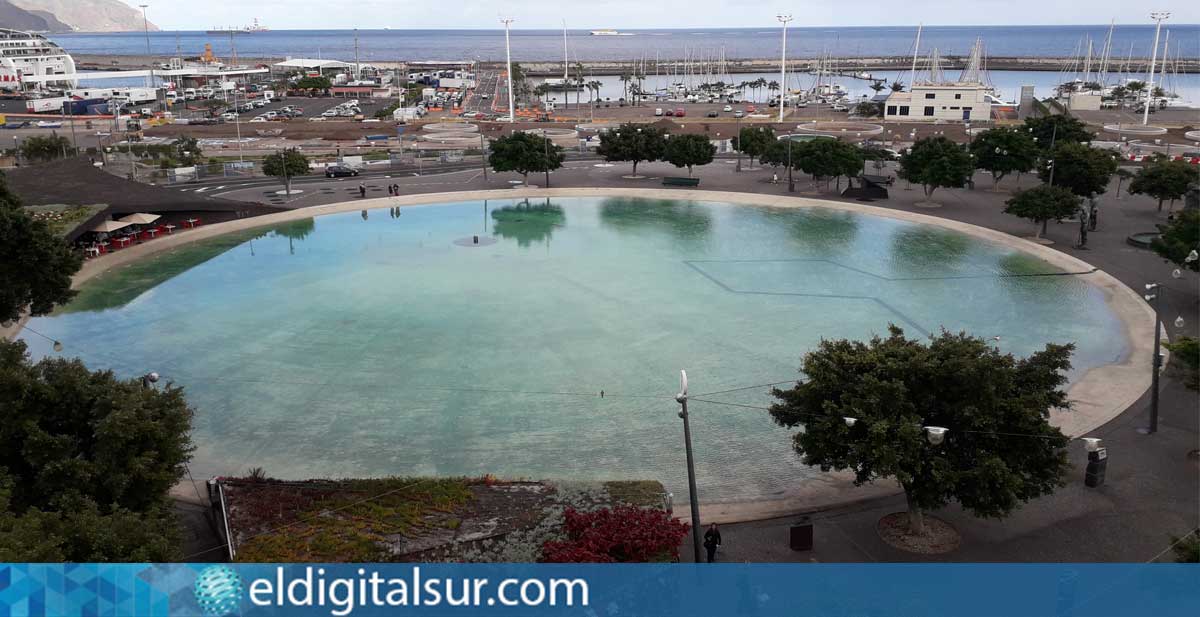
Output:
x=920 y=250
x=683 y=219
x=119 y=287
x=821 y=231
x=528 y=222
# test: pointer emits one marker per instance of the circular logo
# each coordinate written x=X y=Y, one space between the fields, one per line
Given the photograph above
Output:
x=218 y=590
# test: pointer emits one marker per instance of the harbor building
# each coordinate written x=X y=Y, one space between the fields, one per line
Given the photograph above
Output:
x=937 y=99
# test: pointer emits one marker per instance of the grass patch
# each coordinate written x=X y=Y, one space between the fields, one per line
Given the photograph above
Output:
x=642 y=493
x=63 y=219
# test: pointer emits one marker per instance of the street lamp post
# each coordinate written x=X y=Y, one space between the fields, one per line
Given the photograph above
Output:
x=1158 y=17
x=146 y=30
x=682 y=399
x=738 y=129
x=1152 y=293
x=791 y=182
x=512 y=109
x=784 y=19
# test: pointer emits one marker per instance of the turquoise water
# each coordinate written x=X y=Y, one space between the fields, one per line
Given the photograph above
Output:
x=371 y=344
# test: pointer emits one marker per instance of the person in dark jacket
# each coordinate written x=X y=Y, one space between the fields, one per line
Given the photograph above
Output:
x=362 y=190
x=712 y=539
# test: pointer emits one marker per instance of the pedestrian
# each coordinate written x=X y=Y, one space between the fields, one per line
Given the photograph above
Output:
x=1094 y=219
x=397 y=189
x=712 y=539
x=774 y=178
x=391 y=191
x=362 y=190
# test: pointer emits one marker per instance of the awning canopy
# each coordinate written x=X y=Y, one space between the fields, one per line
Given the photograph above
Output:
x=110 y=226
x=140 y=218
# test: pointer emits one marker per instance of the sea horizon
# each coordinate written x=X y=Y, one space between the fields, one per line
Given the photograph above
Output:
x=540 y=44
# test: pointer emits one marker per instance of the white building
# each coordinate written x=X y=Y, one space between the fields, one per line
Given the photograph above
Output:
x=953 y=102
x=25 y=54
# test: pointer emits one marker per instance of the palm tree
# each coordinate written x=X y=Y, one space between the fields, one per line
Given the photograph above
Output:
x=772 y=86
x=877 y=86
x=897 y=86
x=594 y=86
x=625 y=77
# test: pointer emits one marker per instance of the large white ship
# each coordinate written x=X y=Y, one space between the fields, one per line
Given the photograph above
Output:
x=24 y=54
x=607 y=32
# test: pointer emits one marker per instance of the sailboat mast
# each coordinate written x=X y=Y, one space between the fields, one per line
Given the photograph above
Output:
x=566 y=58
x=912 y=81
x=1162 y=79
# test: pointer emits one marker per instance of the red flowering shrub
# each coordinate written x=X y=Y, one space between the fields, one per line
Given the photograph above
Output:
x=621 y=534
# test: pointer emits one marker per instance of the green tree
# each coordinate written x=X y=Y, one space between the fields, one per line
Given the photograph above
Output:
x=46 y=147
x=1057 y=129
x=689 y=150
x=186 y=151
x=88 y=458
x=754 y=140
x=1185 y=351
x=1178 y=239
x=1083 y=169
x=36 y=266
x=1042 y=204
x=869 y=109
x=936 y=162
x=1187 y=548
x=829 y=158
x=1164 y=179
x=633 y=144
x=286 y=164
x=1002 y=151
x=314 y=84
x=892 y=387
x=524 y=153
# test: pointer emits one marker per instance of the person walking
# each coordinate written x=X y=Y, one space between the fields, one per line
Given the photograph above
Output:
x=712 y=539
x=362 y=190
x=391 y=191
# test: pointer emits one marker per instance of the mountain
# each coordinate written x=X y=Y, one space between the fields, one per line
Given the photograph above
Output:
x=17 y=18
x=88 y=15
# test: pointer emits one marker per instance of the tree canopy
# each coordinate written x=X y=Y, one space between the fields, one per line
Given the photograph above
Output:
x=1082 y=169
x=88 y=458
x=1179 y=238
x=286 y=164
x=829 y=158
x=753 y=141
x=1041 y=204
x=1059 y=129
x=893 y=386
x=524 y=153
x=45 y=147
x=1002 y=151
x=1164 y=179
x=631 y=143
x=689 y=150
x=936 y=162
x=36 y=266
x=313 y=83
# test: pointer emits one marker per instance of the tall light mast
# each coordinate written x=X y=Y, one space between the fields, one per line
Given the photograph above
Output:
x=784 y=19
x=1158 y=17
x=512 y=108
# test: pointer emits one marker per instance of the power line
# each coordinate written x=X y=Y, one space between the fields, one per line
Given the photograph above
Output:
x=765 y=385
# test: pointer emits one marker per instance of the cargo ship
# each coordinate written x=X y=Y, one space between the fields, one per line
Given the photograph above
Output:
x=254 y=28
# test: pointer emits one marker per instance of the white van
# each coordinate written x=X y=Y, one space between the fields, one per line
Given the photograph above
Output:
x=189 y=94
x=658 y=111
x=205 y=92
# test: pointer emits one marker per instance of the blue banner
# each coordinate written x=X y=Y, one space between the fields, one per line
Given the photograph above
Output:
x=761 y=590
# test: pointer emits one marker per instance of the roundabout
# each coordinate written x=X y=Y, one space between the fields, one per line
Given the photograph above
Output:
x=840 y=129
x=377 y=347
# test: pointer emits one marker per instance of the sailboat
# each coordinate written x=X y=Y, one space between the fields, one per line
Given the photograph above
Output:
x=565 y=84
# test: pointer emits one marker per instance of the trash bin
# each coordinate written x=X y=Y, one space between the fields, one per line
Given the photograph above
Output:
x=1096 y=466
x=801 y=534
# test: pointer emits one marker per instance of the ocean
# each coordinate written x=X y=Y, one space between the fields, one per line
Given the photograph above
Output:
x=535 y=45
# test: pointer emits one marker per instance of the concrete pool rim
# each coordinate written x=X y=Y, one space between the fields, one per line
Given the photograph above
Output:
x=1099 y=395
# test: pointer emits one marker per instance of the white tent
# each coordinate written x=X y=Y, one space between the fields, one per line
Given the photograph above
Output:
x=106 y=227
x=140 y=218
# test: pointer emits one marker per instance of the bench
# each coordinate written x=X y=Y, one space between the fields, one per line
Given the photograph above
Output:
x=678 y=181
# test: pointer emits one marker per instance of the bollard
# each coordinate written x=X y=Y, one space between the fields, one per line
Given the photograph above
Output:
x=474 y=239
x=1096 y=466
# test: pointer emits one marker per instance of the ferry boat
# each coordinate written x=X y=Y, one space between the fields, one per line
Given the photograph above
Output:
x=251 y=29
x=608 y=32
x=24 y=54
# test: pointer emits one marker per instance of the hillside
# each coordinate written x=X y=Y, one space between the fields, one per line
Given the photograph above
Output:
x=88 y=15
x=17 y=18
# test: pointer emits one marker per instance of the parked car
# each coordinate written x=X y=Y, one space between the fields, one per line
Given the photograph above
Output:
x=658 y=111
x=229 y=117
x=340 y=171
x=751 y=109
x=728 y=108
x=670 y=113
x=739 y=114
x=712 y=114
x=679 y=112
x=839 y=107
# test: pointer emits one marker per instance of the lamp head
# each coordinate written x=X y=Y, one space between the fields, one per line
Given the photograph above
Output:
x=936 y=434
x=1092 y=443
x=152 y=377
x=850 y=421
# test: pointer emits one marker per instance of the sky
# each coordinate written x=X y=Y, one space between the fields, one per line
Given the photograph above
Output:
x=592 y=14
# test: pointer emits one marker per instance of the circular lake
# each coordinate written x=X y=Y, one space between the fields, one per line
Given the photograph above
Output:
x=376 y=343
